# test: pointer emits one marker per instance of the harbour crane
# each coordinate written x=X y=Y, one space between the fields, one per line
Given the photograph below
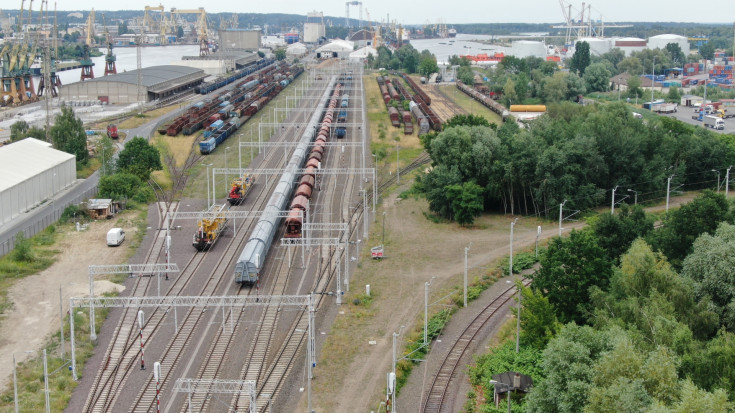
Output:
x=201 y=26
x=110 y=67
x=347 y=12
x=86 y=60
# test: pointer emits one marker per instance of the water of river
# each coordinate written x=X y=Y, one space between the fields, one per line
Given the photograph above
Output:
x=127 y=60
x=463 y=44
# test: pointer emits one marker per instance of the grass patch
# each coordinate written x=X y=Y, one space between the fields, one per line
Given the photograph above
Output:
x=469 y=104
x=30 y=256
x=31 y=396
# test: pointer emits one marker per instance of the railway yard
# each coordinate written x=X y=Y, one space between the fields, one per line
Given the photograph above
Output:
x=231 y=321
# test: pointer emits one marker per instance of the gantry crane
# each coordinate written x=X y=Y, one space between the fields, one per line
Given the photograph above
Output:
x=50 y=81
x=347 y=12
x=201 y=26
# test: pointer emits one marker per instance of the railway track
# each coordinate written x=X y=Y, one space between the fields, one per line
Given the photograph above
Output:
x=435 y=399
x=444 y=107
x=122 y=353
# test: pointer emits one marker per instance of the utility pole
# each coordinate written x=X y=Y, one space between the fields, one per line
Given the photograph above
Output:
x=727 y=180
x=668 y=190
x=612 y=206
x=561 y=206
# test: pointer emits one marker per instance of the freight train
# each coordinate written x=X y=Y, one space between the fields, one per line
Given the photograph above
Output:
x=484 y=100
x=210 y=227
x=208 y=87
x=246 y=108
x=253 y=255
x=294 y=221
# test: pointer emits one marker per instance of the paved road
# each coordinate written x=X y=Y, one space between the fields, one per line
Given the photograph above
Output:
x=685 y=114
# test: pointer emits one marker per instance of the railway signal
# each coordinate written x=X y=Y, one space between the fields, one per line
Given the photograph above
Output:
x=141 y=323
x=157 y=377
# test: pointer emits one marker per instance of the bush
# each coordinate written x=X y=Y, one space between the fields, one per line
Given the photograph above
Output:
x=22 y=251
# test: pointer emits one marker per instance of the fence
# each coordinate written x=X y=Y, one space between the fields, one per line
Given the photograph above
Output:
x=49 y=216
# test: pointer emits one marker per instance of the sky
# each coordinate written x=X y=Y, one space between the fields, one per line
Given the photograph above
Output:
x=450 y=11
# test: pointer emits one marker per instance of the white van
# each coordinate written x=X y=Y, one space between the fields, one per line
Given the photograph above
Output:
x=115 y=237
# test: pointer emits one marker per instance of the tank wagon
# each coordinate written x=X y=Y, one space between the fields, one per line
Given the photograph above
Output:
x=253 y=255
x=483 y=99
x=421 y=119
x=294 y=221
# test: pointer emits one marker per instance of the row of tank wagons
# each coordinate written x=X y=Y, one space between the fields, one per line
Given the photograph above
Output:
x=208 y=87
x=423 y=101
x=228 y=120
x=484 y=100
x=304 y=190
x=394 y=91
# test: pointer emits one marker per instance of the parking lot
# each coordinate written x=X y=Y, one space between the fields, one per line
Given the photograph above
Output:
x=685 y=114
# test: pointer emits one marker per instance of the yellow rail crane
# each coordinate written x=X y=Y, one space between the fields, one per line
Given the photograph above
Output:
x=240 y=187
x=209 y=228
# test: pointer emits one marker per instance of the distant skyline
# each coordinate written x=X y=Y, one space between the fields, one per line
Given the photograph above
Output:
x=450 y=12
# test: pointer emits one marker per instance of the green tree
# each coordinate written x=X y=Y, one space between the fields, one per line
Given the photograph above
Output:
x=68 y=135
x=538 y=320
x=631 y=65
x=427 y=66
x=466 y=120
x=18 y=130
x=139 y=158
x=712 y=267
x=568 y=364
x=105 y=150
x=575 y=85
x=179 y=32
x=634 y=87
x=581 y=58
x=673 y=95
x=280 y=54
x=119 y=186
x=686 y=224
x=509 y=93
x=554 y=88
x=569 y=267
x=466 y=201
x=22 y=252
x=597 y=78
x=616 y=232
x=434 y=186
x=466 y=75
x=707 y=50
x=677 y=55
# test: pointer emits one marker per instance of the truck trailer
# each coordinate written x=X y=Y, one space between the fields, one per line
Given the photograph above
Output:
x=713 y=122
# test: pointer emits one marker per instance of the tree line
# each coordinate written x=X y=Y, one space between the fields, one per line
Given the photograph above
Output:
x=574 y=153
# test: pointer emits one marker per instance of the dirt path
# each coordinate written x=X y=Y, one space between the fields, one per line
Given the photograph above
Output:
x=35 y=312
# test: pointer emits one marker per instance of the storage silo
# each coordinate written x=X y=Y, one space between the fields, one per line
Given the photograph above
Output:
x=525 y=48
x=660 y=42
x=630 y=44
x=598 y=45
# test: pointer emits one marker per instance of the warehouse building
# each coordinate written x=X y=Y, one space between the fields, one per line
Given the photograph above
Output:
x=660 y=42
x=157 y=82
x=222 y=61
x=337 y=48
x=32 y=172
x=240 y=39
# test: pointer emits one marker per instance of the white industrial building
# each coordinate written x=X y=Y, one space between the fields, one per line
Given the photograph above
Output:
x=296 y=50
x=660 y=42
x=527 y=48
x=240 y=39
x=336 y=48
x=32 y=172
x=630 y=44
x=361 y=54
x=313 y=32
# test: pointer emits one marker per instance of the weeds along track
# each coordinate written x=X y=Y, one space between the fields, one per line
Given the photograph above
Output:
x=220 y=347
x=434 y=402
x=444 y=107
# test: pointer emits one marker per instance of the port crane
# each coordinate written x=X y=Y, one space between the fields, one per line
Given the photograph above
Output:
x=110 y=67
x=86 y=60
x=201 y=26
x=347 y=12
x=577 y=25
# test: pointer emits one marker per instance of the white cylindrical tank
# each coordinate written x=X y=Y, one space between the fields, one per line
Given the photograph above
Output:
x=630 y=44
x=660 y=42
x=598 y=46
x=525 y=48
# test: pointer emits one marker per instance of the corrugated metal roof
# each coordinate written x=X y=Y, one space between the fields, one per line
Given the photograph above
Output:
x=152 y=76
x=27 y=158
